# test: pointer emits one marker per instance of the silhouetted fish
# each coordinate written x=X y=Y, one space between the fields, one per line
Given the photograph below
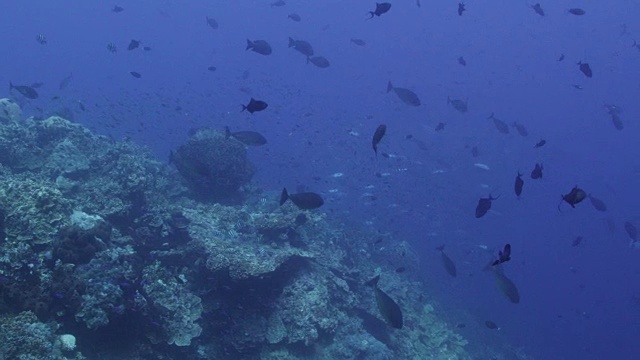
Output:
x=259 y=46
x=377 y=136
x=212 y=68
x=319 y=61
x=519 y=183
x=440 y=126
x=407 y=96
x=303 y=200
x=458 y=104
x=359 y=42
x=294 y=17
x=597 y=203
x=65 y=82
x=388 y=308
x=499 y=124
x=575 y=196
x=246 y=137
x=117 y=9
x=461 y=8
x=506 y=286
x=26 y=91
x=560 y=58
x=536 y=173
x=255 y=105
x=521 y=129
x=615 y=116
x=490 y=325
x=576 y=241
x=585 y=68
x=503 y=255
x=381 y=8
x=538 y=9
x=631 y=230
x=540 y=143
x=577 y=11
x=212 y=23
x=462 y=61
x=448 y=264
x=301 y=46
x=278 y=3
x=133 y=44
x=135 y=74
x=484 y=204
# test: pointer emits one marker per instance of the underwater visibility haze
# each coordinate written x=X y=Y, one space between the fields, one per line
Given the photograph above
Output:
x=291 y=179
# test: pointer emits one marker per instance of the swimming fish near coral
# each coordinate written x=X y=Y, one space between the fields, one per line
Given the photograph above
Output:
x=536 y=173
x=26 y=91
x=388 y=308
x=303 y=200
x=259 y=46
x=448 y=264
x=377 y=136
x=254 y=106
x=251 y=138
x=517 y=186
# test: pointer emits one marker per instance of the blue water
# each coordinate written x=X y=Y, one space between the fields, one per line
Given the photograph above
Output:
x=577 y=302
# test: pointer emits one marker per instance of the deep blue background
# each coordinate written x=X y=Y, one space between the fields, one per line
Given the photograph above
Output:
x=429 y=195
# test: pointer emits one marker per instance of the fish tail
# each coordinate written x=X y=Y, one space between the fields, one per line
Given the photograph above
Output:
x=249 y=44
x=284 y=196
x=373 y=282
x=292 y=42
x=244 y=107
x=389 y=86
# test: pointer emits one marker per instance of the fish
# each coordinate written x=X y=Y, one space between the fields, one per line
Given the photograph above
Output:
x=577 y=11
x=536 y=173
x=461 y=8
x=540 y=143
x=538 y=9
x=462 y=61
x=301 y=46
x=506 y=286
x=484 y=204
x=303 y=200
x=401 y=269
x=388 y=308
x=617 y=122
x=112 y=47
x=135 y=74
x=133 y=44
x=577 y=241
x=503 y=255
x=65 y=82
x=117 y=9
x=319 y=61
x=631 y=230
x=407 y=96
x=294 y=17
x=585 y=69
x=41 y=39
x=359 y=42
x=259 y=46
x=499 y=124
x=212 y=68
x=254 y=105
x=574 y=197
x=81 y=106
x=377 y=136
x=457 y=104
x=482 y=166
x=251 y=138
x=448 y=264
x=278 y=3
x=26 y=91
x=560 y=58
x=381 y=8
x=212 y=23
x=146 y=48
x=597 y=203
x=521 y=129
x=490 y=325
x=519 y=183
x=440 y=126
x=635 y=45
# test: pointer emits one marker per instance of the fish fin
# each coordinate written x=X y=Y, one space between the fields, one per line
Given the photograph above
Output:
x=284 y=196
x=373 y=282
x=249 y=44
x=389 y=86
x=244 y=107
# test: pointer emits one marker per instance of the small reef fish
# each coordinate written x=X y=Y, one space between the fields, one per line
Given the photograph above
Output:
x=519 y=183
x=585 y=69
x=461 y=8
x=407 y=96
x=577 y=11
x=381 y=8
x=459 y=105
x=536 y=173
x=597 y=203
x=251 y=138
x=505 y=285
x=259 y=46
x=574 y=197
x=484 y=204
x=540 y=143
x=254 y=106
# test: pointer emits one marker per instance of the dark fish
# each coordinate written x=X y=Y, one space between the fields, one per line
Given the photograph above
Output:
x=65 y=82
x=506 y=286
x=449 y=265
x=461 y=8
x=41 y=39
x=631 y=231
x=615 y=116
x=212 y=68
x=388 y=308
x=294 y=17
x=302 y=46
x=319 y=61
x=575 y=196
x=597 y=203
x=440 y=126
x=536 y=173
x=146 y=48
x=135 y=74
x=260 y=46
x=577 y=11
x=381 y=8
x=561 y=57
x=490 y=324
x=377 y=136
x=540 y=143
x=484 y=204
x=303 y=200
x=418 y=3
x=255 y=105
x=212 y=23
x=635 y=45
x=133 y=44
x=576 y=241
x=401 y=269
x=585 y=68
x=117 y=9
x=407 y=96
x=499 y=124
x=474 y=151
x=503 y=255
x=521 y=129
x=458 y=104
x=278 y=3
x=251 y=138
x=358 y=42
x=112 y=47
x=518 y=185
x=26 y=91
x=538 y=9
x=462 y=61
